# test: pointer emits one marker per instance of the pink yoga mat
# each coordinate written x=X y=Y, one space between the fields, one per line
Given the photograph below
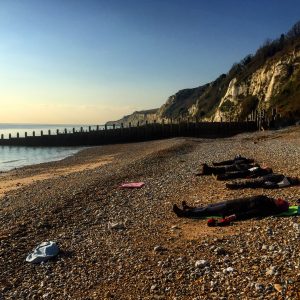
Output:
x=132 y=185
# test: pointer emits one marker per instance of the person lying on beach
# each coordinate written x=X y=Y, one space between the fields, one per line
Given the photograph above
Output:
x=241 y=208
x=253 y=172
x=237 y=160
x=270 y=181
x=207 y=170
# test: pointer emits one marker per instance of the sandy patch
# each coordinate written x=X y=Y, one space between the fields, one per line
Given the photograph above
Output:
x=10 y=182
x=198 y=229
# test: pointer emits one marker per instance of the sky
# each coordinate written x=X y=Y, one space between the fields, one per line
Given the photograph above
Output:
x=87 y=62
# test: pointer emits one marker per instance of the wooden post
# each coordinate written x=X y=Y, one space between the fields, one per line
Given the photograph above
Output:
x=42 y=133
x=122 y=125
x=2 y=136
x=33 y=133
x=129 y=124
x=25 y=134
x=66 y=131
x=18 y=135
x=9 y=136
x=138 y=124
x=97 y=128
x=90 y=129
x=49 y=132
x=81 y=129
x=274 y=113
x=105 y=127
x=73 y=130
x=146 y=122
x=57 y=131
x=114 y=126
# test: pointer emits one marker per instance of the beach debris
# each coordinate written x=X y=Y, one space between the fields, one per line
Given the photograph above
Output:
x=43 y=252
x=132 y=185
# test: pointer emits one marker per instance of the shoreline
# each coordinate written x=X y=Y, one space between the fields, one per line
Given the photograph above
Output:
x=75 y=208
x=41 y=155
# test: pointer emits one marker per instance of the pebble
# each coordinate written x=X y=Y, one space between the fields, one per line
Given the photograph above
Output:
x=269 y=231
x=228 y=270
x=116 y=226
x=174 y=227
x=220 y=251
x=270 y=271
x=201 y=263
x=296 y=227
x=278 y=287
x=259 y=287
x=153 y=287
x=159 y=248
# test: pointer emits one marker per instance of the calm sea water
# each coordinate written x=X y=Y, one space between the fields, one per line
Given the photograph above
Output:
x=13 y=129
x=14 y=157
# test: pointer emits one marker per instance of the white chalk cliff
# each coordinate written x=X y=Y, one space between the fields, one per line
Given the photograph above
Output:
x=265 y=83
x=268 y=79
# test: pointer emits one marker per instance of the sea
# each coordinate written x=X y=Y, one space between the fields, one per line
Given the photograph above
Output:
x=12 y=157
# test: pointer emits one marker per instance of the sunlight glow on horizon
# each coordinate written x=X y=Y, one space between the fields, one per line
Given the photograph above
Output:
x=75 y=62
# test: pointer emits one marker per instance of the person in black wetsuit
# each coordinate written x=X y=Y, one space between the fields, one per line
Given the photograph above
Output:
x=207 y=170
x=253 y=172
x=237 y=160
x=242 y=208
x=270 y=181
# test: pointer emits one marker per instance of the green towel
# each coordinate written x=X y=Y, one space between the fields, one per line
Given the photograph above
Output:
x=293 y=211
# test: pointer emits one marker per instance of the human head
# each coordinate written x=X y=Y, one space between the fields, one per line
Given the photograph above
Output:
x=282 y=204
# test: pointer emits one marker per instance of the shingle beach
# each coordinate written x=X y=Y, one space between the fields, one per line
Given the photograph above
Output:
x=128 y=244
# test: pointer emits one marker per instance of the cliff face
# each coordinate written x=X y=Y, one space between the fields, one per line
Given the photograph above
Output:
x=137 y=117
x=262 y=88
x=268 y=79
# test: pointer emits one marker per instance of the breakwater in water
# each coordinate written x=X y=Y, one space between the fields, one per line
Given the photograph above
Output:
x=101 y=135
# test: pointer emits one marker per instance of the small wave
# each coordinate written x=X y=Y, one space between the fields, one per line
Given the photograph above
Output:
x=11 y=161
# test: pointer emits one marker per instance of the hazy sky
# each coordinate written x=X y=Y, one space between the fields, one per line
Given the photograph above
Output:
x=69 y=61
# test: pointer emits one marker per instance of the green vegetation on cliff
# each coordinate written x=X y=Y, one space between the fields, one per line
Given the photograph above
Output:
x=248 y=85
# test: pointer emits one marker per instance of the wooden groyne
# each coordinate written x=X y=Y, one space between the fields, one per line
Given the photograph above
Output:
x=104 y=135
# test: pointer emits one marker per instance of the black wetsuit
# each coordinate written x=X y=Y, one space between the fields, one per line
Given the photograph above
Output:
x=207 y=170
x=270 y=181
x=236 y=160
x=250 y=173
x=243 y=208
